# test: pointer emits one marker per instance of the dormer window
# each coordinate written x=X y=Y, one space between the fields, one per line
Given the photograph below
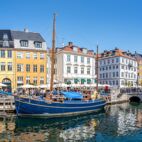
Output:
x=38 y=44
x=85 y=51
x=75 y=49
x=5 y=44
x=24 y=43
x=5 y=40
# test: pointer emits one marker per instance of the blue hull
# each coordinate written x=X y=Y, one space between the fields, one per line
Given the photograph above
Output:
x=30 y=107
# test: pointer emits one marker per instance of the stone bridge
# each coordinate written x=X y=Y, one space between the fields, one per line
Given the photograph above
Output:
x=135 y=96
x=117 y=97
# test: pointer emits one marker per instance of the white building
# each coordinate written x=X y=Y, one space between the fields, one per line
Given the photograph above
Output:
x=74 y=65
x=117 y=68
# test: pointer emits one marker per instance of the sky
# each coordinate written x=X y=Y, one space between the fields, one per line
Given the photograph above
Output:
x=86 y=23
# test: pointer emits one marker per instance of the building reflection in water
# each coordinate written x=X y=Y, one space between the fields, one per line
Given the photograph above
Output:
x=82 y=132
x=118 y=120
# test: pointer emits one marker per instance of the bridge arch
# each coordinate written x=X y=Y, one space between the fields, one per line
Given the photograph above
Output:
x=135 y=99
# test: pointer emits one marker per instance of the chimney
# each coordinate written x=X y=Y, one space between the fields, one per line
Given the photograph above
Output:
x=26 y=30
x=70 y=43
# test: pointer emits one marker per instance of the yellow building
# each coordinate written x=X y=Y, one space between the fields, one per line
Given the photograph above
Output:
x=23 y=58
x=140 y=72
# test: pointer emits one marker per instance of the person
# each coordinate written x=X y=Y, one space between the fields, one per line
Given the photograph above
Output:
x=94 y=95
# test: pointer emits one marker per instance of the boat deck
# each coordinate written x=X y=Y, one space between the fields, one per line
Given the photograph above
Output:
x=7 y=103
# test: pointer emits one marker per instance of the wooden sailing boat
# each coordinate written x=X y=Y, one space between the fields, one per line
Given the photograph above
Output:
x=73 y=103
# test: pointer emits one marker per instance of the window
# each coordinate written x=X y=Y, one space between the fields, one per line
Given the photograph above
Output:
x=41 y=55
x=113 y=74
x=28 y=55
x=109 y=74
x=24 y=43
x=28 y=80
x=122 y=67
x=9 y=66
x=20 y=68
x=106 y=75
x=28 y=67
x=5 y=36
x=75 y=70
x=35 y=80
x=2 y=53
x=104 y=62
x=113 y=82
x=5 y=43
x=122 y=82
x=117 y=74
x=5 y=40
x=20 y=78
x=38 y=44
x=9 y=54
x=34 y=68
x=68 y=69
x=82 y=70
x=88 y=70
x=117 y=60
x=75 y=49
x=41 y=68
x=68 y=58
x=85 y=51
x=88 y=60
x=75 y=58
x=19 y=55
x=108 y=61
x=122 y=74
x=41 y=80
x=35 y=55
x=82 y=59
x=2 y=66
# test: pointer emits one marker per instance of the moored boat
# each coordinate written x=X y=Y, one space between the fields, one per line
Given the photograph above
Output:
x=73 y=104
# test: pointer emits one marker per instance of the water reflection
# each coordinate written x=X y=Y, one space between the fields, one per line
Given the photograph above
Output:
x=118 y=123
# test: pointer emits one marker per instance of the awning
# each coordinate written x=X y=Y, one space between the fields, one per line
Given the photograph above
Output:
x=88 y=80
x=83 y=80
x=68 y=82
x=72 y=95
x=76 y=80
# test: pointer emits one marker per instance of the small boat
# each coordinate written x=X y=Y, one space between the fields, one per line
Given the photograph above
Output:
x=64 y=104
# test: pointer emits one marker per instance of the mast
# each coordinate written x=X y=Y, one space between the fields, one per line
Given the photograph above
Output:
x=53 y=53
x=97 y=73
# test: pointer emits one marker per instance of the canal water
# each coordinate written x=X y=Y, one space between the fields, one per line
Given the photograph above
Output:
x=118 y=123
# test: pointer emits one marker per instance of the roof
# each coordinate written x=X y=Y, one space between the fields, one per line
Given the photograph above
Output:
x=22 y=35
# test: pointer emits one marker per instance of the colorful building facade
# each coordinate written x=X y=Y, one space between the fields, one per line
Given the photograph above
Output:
x=23 y=58
x=139 y=61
